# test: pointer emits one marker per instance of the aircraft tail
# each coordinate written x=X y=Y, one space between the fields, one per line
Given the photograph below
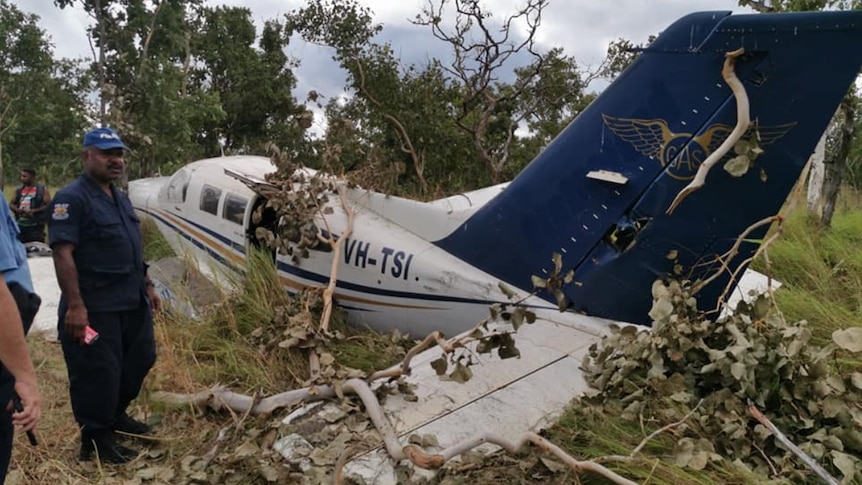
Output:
x=599 y=193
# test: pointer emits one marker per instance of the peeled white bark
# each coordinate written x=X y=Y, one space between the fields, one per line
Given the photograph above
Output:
x=816 y=177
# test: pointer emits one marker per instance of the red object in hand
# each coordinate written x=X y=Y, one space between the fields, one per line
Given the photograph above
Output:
x=90 y=335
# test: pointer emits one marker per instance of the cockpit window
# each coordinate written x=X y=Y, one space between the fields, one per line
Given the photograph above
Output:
x=178 y=186
x=209 y=199
x=234 y=208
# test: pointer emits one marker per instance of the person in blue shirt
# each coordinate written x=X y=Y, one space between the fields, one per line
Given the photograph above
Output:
x=95 y=237
x=17 y=374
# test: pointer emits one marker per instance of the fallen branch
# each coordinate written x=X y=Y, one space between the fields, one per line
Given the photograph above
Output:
x=404 y=368
x=339 y=465
x=807 y=460
x=650 y=437
x=422 y=459
x=219 y=398
x=336 y=244
x=725 y=258
x=743 y=120
x=240 y=403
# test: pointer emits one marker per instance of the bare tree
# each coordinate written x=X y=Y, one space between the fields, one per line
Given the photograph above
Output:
x=481 y=47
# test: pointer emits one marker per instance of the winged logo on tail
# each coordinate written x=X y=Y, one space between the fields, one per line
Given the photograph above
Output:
x=655 y=140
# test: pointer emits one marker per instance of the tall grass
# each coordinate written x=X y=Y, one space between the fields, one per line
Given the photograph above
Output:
x=229 y=345
x=821 y=269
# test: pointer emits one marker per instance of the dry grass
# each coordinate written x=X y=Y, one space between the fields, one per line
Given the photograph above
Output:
x=234 y=345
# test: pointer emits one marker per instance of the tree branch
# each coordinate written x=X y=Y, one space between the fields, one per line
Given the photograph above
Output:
x=743 y=120
x=807 y=460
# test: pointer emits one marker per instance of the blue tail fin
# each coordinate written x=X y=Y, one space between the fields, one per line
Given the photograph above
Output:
x=654 y=126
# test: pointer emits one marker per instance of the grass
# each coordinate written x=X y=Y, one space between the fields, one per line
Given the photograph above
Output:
x=821 y=273
x=236 y=345
x=821 y=269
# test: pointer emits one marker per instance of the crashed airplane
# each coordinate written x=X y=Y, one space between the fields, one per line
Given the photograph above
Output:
x=624 y=195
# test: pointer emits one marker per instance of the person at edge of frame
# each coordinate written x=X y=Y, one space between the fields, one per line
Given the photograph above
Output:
x=29 y=203
x=95 y=238
x=17 y=374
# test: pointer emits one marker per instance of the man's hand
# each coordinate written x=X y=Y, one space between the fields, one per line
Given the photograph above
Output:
x=28 y=391
x=155 y=301
x=75 y=322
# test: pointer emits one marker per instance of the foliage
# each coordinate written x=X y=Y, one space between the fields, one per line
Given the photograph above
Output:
x=443 y=126
x=40 y=99
x=753 y=355
x=253 y=83
x=183 y=81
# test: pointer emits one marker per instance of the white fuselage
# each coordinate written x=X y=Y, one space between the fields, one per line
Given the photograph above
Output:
x=389 y=275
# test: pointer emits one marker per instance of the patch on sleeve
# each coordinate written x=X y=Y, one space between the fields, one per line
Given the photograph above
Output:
x=61 y=212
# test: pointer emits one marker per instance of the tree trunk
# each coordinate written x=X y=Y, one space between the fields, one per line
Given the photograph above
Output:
x=103 y=89
x=836 y=165
x=825 y=181
x=815 y=175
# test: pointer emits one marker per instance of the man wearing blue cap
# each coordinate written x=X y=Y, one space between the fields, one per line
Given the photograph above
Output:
x=98 y=257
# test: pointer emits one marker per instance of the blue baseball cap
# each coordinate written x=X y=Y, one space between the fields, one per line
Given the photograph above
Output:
x=104 y=139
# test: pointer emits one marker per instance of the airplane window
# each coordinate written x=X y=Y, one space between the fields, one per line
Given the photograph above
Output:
x=234 y=208
x=178 y=186
x=209 y=199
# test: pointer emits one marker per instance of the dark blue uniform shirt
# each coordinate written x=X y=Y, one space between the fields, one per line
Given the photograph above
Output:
x=107 y=238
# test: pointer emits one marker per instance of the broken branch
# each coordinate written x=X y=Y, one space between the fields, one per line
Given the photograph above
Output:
x=743 y=120
x=807 y=460
x=336 y=245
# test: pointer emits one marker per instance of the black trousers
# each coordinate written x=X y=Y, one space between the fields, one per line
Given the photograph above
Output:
x=32 y=233
x=28 y=306
x=106 y=375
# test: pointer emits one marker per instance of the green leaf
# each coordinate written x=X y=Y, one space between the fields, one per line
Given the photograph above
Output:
x=845 y=463
x=510 y=293
x=495 y=311
x=684 y=452
x=562 y=304
x=742 y=147
x=737 y=166
x=737 y=370
x=517 y=318
x=508 y=350
x=440 y=365
x=558 y=262
x=661 y=309
x=699 y=460
x=849 y=339
x=539 y=282
x=461 y=374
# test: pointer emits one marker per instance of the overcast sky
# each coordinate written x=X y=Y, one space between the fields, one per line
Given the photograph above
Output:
x=582 y=27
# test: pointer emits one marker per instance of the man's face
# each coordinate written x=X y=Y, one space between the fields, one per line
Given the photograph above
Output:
x=104 y=165
x=26 y=178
